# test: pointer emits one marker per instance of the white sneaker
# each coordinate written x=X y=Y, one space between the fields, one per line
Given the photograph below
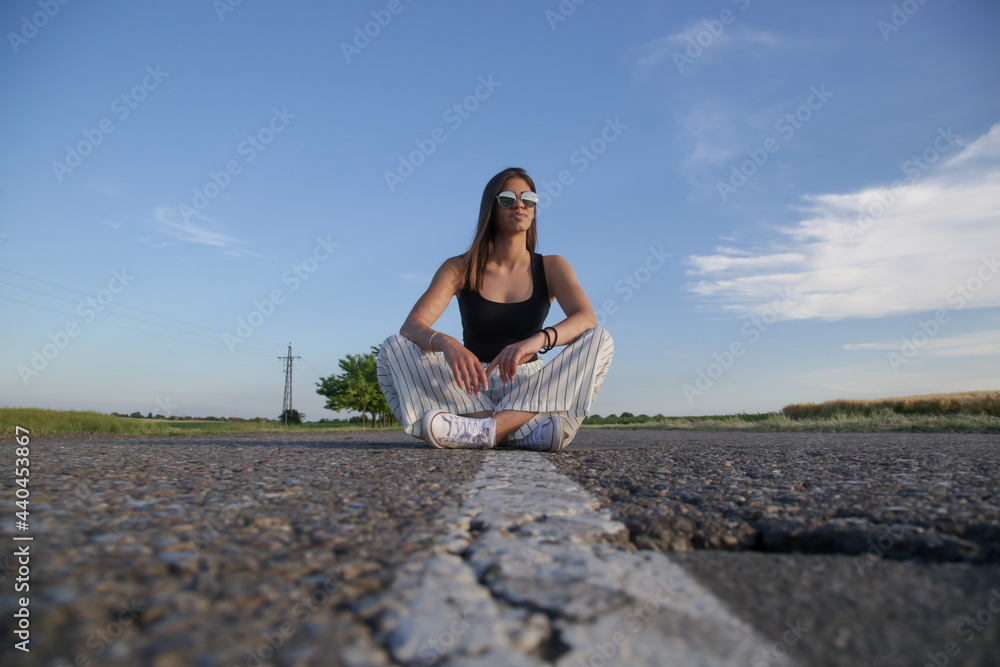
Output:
x=546 y=437
x=445 y=430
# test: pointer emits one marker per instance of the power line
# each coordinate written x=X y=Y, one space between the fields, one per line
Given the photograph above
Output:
x=122 y=305
x=104 y=310
x=122 y=326
x=107 y=310
x=118 y=304
x=141 y=321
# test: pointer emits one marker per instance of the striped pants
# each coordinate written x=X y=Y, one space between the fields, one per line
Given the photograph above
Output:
x=415 y=382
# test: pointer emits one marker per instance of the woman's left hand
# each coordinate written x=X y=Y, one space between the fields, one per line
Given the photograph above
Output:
x=515 y=354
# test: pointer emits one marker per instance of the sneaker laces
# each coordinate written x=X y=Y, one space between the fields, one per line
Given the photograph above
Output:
x=465 y=431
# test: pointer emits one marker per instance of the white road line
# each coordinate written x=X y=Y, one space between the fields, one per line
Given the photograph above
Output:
x=539 y=556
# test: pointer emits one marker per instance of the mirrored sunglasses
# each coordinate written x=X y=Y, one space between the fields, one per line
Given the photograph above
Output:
x=508 y=199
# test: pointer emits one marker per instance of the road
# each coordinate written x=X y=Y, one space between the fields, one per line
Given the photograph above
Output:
x=634 y=547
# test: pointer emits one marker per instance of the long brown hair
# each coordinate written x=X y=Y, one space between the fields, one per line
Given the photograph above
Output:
x=482 y=245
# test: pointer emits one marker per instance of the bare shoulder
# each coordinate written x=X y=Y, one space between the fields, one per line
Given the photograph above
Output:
x=564 y=287
x=450 y=273
x=453 y=264
x=561 y=278
x=444 y=285
x=556 y=266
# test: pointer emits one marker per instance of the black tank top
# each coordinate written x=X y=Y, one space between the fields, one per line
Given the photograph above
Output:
x=489 y=326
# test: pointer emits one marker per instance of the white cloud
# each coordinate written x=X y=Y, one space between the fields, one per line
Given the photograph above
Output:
x=185 y=230
x=986 y=147
x=727 y=262
x=716 y=133
x=962 y=345
x=697 y=42
x=928 y=243
x=712 y=127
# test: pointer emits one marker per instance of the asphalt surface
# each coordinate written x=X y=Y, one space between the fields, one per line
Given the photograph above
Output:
x=876 y=548
x=838 y=549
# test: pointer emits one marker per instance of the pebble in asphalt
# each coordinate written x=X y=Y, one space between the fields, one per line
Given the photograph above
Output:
x=835 y=548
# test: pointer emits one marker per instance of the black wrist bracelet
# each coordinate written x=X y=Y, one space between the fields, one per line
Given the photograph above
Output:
x=548 y=345
x=555 y=337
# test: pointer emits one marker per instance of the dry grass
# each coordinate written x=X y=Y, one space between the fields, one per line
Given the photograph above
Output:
x=962 y=403
x=881 y=421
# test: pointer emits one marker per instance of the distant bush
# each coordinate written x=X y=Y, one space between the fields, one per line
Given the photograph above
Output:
x=624 y=418
x=627 y=418
x=291 y=416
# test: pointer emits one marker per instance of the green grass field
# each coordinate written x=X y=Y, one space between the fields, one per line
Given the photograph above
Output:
x=881 y=421
x=969 y=412
x=50 y=422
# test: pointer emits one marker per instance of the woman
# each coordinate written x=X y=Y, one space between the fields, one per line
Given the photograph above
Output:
x=494 y=385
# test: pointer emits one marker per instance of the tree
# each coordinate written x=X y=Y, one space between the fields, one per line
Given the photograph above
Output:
x=291 y=417
x=356 y=388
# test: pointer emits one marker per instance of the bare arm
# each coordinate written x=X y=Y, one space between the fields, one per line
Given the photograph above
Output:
x=564 y=286
x=417 y=328
x=432 y=304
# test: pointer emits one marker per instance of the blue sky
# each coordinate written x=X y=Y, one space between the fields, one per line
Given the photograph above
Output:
x=767 y=202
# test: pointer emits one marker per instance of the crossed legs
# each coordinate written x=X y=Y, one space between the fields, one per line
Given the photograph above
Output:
x=414 y=381
x=507 y=421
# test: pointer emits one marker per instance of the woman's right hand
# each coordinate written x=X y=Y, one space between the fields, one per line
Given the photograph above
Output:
x=465 y=366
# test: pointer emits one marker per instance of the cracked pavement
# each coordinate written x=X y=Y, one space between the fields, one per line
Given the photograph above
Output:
x=817 y=549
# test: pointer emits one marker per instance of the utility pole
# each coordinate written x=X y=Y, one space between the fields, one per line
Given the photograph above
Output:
x=286 y=405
